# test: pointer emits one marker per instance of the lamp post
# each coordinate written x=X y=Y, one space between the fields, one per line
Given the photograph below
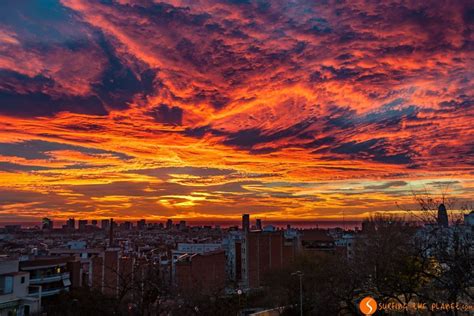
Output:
x=239 y=293
x=300 y=275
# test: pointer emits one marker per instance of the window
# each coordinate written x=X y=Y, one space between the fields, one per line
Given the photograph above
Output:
x=6 y=284
x=22 y=280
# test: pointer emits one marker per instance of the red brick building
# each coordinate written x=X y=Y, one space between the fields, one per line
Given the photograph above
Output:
x=110 y=268
x=75 y=273
x=263 y=251
x=204 y=272
x=97 y=272
x=238 y=261
x=110 y=271
x=316 y=241
x=116 y=275
x=126 y=276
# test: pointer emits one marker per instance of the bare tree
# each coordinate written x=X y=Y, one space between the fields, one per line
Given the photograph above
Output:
x=388 y=260
x=450 y=249
x=136 y=290
x=427 y=204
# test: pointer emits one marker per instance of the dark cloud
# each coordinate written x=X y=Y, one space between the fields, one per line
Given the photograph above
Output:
x=85 y=127
x=57 y=40
x=119 y=83
x=397 y=159
x=165 y=114
x=246 y=139
x=13 y=167
x=375 y=149
x=197 y=132
x=10 y=80
x=463 y=103
x=10 y=196
x=323 y=141
x=386 y=185
x=38 y=149
x=341 y=73
x=443 y=184
x=32 y=101
x=41 y=104
x=164 y=173
x=397 y=50
x=354 y=147
x=44 y=22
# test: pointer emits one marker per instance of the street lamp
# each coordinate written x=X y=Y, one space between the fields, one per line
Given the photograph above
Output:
x=300 y=275
x=239 y=293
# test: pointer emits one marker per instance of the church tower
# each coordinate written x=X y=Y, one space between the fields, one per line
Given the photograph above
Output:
x=442 y=216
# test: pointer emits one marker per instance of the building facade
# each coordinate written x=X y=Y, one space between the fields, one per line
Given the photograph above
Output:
x=262 y=251
x=15 y=299
x=204 y=272
x=50 y=276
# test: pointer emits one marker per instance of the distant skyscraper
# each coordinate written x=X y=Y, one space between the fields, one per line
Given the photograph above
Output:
x=47 y=223
x=442 y=216
x=182 y=225
x=71 y=223
x=94 y=222
x=105 y=224
x=141 y=224
x=246 y=222
x=111 y=232
x=82 y=224
x=169 y=224
x=258 y=224
x=126 y=225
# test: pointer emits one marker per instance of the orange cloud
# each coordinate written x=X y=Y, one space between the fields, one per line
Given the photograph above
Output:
x=206 y=109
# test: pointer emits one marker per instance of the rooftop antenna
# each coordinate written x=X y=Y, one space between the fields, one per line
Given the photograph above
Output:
x=344 y=219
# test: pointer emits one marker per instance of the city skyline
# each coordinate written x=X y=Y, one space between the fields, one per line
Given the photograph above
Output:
x=204 y=110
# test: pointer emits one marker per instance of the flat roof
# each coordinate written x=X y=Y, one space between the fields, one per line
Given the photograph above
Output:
x=45 y=262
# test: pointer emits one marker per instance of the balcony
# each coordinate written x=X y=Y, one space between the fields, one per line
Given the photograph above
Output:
x=47 y=292
x=52 y=292
x=49 y=278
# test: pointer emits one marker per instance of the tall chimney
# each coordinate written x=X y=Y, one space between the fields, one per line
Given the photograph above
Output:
x=259 y=224
x=442 y=219
x=111 y=233
x=246 y=222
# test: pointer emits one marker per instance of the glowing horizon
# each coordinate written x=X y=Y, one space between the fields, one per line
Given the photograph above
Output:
x=202 y=109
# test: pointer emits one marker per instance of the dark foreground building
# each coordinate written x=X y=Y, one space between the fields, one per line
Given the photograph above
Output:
x=203 y=272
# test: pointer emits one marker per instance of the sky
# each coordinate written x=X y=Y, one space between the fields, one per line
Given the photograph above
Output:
x=203 y=109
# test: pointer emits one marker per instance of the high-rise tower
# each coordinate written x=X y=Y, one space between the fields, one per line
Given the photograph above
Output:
x=442 y=216
x=246 y=222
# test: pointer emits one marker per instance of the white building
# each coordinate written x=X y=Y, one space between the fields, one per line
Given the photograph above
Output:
x=49 y=275
x=197 y=248
x=14 y=284
x=230 y=243
x=347 y=241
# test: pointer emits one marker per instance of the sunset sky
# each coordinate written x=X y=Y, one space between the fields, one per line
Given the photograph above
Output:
x=204 y=109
